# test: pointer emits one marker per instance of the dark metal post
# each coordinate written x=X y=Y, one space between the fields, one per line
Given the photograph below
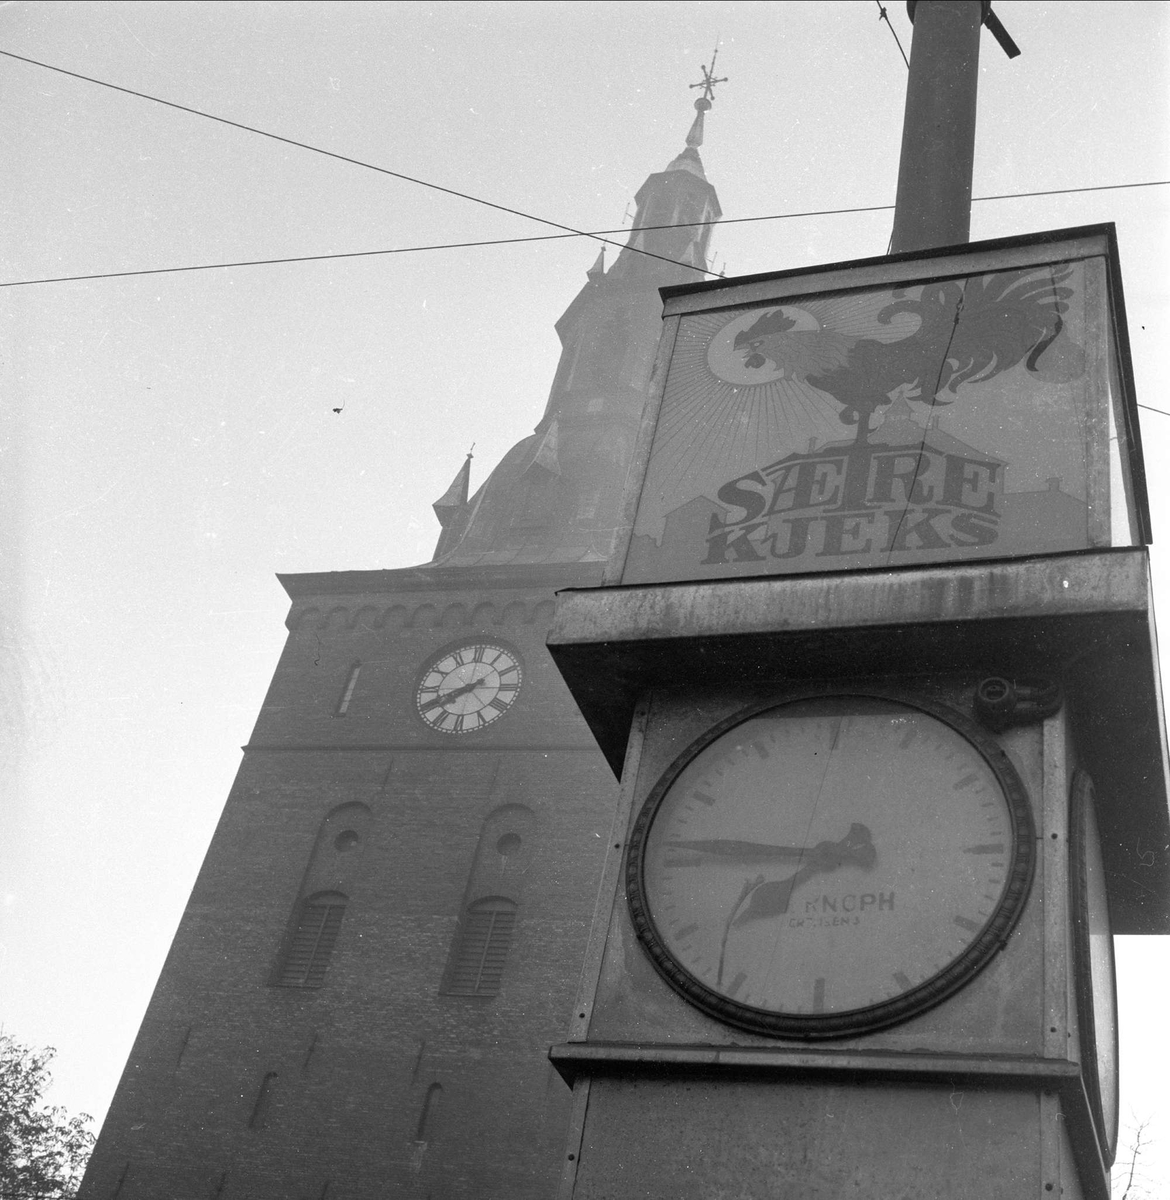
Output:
x=933 y=205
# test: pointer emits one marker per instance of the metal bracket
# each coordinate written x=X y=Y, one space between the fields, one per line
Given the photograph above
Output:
x=993 y=23
x=1001 y=703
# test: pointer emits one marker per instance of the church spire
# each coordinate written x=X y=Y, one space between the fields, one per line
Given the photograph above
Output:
x=689 y=159
x=556 y=496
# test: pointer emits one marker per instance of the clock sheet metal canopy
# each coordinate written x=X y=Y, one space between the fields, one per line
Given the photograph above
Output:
x=1086 y=619
x=972 y=403
x=831 y=865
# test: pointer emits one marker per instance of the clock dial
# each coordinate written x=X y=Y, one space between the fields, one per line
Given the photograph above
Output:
x=469 y=687
x=1095 y=975
x=830 y=865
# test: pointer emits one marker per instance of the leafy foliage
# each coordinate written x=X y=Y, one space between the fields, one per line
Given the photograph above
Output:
x=43 y=1150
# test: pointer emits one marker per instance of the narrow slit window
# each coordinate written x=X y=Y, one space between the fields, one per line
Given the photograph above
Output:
x=347 y=692
x=477 y=966
x=311 y=944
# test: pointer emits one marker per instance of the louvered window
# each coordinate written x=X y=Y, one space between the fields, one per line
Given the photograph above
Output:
x=308 y=951
x=347 y=692
x=477 y=964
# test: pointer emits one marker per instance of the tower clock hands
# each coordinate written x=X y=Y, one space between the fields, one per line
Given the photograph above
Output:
x=453 y=694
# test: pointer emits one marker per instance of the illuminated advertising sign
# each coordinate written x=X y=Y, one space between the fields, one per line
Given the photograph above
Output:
x=972 y=403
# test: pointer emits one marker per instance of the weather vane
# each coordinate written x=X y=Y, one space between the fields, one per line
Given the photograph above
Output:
x=708 y=82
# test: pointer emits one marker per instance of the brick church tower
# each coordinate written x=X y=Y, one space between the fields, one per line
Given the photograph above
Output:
x=387 y=931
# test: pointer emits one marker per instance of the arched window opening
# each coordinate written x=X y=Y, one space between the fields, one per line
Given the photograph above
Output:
x=485 y=935
x=310 y=945
x=426 y=1118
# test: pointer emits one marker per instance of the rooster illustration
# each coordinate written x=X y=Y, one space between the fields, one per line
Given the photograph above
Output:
x=970 y=330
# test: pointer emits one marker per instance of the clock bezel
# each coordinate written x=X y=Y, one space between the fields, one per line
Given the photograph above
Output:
x=820 y=1026
x=1082 y=810
x=453 y=647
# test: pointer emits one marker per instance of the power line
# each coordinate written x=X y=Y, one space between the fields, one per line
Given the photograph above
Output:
x=885 y=16
x=543 y=237
x=1099 y=187
x=598 y=234
x=357 y=162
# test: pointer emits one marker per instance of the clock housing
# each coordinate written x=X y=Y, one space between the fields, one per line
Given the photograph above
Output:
x=831 y=864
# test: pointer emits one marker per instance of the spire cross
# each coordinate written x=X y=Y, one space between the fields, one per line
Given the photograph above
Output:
x=708 y=82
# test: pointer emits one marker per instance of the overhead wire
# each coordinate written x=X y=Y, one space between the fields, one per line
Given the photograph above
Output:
x=552 y=237
x=568 y=231
x=357 y=162
x=885 y=16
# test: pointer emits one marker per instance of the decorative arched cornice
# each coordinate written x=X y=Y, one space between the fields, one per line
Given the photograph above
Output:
x=426 y=614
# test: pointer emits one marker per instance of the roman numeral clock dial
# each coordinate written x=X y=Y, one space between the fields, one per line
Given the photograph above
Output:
x=831 y=865
x=469 y=687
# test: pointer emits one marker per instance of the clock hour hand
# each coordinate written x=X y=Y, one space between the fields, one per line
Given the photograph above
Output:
x=771 y=899
x=453 y=694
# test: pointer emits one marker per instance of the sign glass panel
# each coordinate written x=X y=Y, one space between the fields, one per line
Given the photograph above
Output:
x=965 y=417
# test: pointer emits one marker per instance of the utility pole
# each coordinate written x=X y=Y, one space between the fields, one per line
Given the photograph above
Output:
x=793 y=833
x=933 y=206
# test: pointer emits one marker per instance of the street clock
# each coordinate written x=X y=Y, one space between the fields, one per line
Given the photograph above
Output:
x=830 y=865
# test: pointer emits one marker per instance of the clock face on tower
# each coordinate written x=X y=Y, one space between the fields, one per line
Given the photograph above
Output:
x=468 y=687
x=830 y=865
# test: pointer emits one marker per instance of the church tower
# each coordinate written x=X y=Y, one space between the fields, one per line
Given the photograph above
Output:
x=555 y=496
x=388 y=928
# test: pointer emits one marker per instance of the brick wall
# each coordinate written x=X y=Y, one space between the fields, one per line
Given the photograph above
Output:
x=346 y=1068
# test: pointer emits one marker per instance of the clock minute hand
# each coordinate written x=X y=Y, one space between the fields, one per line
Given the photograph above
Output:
x=741 y=851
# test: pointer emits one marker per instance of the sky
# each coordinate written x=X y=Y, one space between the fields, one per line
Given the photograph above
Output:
x=171 y=441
